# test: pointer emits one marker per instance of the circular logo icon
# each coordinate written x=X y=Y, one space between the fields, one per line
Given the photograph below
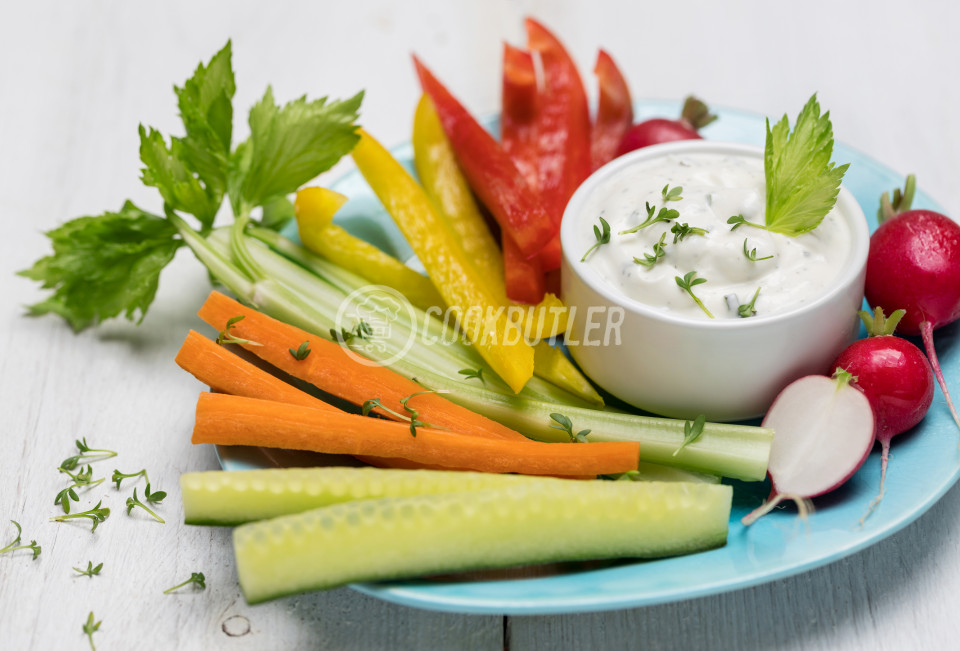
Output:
x=376 y=324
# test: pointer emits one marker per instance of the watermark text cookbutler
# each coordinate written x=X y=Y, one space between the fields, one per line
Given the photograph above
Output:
x=381 y=325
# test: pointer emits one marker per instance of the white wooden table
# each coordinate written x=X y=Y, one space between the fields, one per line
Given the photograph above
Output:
x=76 y=79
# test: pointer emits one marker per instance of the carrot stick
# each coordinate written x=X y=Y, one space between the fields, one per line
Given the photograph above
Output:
x=225 y=372
x=331 y=369
x=234 y=420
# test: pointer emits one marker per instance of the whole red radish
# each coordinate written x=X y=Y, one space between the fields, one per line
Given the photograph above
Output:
x=824 y=431
x=914 y=264
x=894 y=375
x=695 y=116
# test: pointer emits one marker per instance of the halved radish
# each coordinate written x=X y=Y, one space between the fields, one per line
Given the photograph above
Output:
x=823 y=434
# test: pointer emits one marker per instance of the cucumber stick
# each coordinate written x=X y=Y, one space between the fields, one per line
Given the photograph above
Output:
x=403 y=537
x=230 y=498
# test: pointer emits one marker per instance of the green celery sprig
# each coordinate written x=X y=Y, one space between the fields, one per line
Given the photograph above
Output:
x=802 y=182
x=109 y=265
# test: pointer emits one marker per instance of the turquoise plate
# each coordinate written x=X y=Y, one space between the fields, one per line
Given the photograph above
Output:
x=923 y=467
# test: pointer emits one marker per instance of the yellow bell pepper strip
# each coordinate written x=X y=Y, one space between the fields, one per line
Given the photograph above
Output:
x=445 y=184
x=315 y=208
x=553 y=366
x=498 y=340
x=546 y=319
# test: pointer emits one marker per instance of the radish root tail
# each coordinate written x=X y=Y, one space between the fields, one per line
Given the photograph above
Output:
x=804 y=508
x=884 y=457
x=926 y=332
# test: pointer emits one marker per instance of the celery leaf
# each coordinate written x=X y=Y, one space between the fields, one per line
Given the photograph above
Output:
x=802 y=183
x=105 y=265
x=291 y=145
x=206 y=109
x=167 y=170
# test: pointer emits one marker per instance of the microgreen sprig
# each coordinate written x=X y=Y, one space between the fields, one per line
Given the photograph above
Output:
x=602 y=233
x=96 y=515
x=739 y=220
x=680 y=231
x=90 y=628
x=226 y=338
x=154 y=498
x=473 y=374
x=665 y=215
x=118 y=476
x=362 y=330
x=692 y=430
x=671 y=194
x=80 y=479
x=15 y=544
x=301 y=353
x=687 y=283
x=86 y=454
x=91 y=571
x=748 y=309
x=414 y=414
x=413 y=418
x=195 y=578
x=564 y=424
x=649 y=260
x=752 y=253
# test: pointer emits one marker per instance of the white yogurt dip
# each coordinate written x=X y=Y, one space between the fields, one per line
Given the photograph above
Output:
x=715 y=187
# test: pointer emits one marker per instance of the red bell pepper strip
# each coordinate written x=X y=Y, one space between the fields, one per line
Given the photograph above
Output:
x=518 y=137
x=518 y=119
x=524 y=278
x=490 y=171
x=614 y=111
x=563 y=122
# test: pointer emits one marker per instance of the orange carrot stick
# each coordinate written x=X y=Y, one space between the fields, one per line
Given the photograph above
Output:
x=331 y=369
x=225 y=372
x=234 y=420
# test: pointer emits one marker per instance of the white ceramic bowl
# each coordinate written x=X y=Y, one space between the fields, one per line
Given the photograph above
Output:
x=727 y=369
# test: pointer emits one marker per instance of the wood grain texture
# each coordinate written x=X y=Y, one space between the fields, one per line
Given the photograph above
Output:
x=77 y=78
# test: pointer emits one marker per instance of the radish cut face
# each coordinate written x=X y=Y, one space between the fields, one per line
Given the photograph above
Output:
x=824 y=431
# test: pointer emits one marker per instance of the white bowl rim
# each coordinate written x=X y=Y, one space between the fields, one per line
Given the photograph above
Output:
x=856 y=261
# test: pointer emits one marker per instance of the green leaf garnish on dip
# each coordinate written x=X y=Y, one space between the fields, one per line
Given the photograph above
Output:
x=802 y=183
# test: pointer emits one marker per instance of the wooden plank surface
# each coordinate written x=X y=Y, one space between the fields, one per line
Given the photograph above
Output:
x=77 y=78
